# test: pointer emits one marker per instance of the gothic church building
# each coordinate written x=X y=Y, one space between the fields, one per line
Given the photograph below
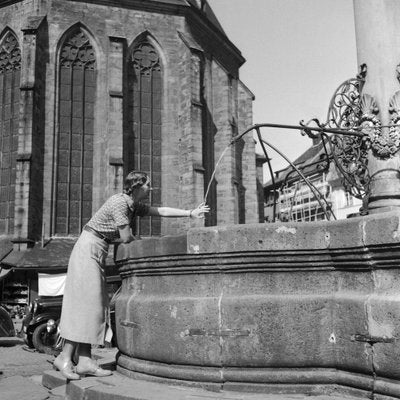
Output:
x=90 y=90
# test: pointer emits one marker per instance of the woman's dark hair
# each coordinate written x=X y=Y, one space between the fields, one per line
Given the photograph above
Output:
x=133 y=180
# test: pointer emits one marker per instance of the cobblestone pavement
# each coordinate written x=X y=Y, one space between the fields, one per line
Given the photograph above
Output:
x=21 y=372
x=17 y=359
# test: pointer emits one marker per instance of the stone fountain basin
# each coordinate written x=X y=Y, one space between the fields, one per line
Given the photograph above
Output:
x=265 y=304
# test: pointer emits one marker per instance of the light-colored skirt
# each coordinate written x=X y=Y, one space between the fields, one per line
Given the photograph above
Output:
x=85 y=310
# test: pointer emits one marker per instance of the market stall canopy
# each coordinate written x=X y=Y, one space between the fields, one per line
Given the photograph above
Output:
x=52 y=257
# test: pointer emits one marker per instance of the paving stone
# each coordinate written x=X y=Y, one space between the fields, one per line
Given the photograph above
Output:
x=19 y=388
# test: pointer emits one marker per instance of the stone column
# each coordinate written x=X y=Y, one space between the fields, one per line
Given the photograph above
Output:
x=378 y=46
x=252 y=182
x=25 y=133
x=115 y=123
x=227 y=203
x=192 y=163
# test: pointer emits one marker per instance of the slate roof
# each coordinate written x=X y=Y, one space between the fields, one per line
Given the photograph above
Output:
x=54 y=255
x=209 y=13
x=307 y=163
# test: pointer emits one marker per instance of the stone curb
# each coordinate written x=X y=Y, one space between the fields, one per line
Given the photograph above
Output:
x=120 y=387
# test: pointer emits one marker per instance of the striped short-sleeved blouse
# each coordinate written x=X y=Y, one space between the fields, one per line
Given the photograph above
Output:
x=117 y=211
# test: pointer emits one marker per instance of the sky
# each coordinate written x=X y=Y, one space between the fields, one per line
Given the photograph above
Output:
x=297 y=53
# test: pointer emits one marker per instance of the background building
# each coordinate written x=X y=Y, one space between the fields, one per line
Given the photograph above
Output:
x=90 y=90
x=296 y=201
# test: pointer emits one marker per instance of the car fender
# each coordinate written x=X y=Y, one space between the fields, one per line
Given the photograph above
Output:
x=44 y=317
x=6 y=323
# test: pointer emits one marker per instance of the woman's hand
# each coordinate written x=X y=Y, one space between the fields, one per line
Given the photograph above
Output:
x=200 y=211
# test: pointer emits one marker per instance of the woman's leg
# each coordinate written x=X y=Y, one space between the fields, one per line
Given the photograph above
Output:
x=68 y=350
x=84 y=353
x=63 y=362
x=87 y=366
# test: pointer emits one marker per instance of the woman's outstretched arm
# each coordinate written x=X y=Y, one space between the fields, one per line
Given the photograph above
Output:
x=197 y=212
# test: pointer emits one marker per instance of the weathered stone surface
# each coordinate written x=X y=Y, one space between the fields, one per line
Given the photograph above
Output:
x=164 y=246
x=262 y=304
x=257 y=237
x=122 y=388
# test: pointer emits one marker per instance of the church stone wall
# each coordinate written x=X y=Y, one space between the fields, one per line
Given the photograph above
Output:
x=182 y=42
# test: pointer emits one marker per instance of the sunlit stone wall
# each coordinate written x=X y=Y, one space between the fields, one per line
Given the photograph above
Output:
x=266 y=306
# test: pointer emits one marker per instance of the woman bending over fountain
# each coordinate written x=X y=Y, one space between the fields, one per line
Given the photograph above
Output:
x=85 y=311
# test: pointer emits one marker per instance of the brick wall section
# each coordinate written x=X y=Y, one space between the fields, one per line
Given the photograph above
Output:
x=208 y=144
x=175 y=158
x=29 y=176
x=248 y=160
x=115 y=120
x=39 y=126
x=197 y=125
x=182 y=159
x=227 y=212
x=191 y=141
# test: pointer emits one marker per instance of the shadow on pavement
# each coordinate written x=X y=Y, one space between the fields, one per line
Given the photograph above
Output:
x=10 y=341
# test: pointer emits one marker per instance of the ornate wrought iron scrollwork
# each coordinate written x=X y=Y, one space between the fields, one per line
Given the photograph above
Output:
x=344 y=108
x=349 y=111
x=359 y=113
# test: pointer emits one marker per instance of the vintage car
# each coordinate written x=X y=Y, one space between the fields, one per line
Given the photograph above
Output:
x=40 y=326
x=6 y=324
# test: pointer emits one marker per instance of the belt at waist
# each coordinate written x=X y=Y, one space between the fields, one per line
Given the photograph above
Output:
x=97 y=234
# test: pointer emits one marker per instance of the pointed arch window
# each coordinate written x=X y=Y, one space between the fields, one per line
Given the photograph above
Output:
x=142 y=147
x=10 y=67
x=76 y=101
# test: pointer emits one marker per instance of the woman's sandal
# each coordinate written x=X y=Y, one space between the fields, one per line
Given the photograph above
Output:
x=93 y=370
x=66 y=369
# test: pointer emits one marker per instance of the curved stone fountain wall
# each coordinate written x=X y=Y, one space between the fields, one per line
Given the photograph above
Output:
x=267 y=307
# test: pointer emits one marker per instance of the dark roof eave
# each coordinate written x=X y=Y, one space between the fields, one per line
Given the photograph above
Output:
x=220 y=36
x=5 y=3
x=37 y=268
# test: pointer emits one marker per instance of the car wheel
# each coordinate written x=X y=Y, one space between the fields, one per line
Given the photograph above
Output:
x=43 y=341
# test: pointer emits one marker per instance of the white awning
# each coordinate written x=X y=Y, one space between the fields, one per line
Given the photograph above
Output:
x=51 y=284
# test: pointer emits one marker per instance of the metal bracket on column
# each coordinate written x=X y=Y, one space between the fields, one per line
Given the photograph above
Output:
x=354 y=111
